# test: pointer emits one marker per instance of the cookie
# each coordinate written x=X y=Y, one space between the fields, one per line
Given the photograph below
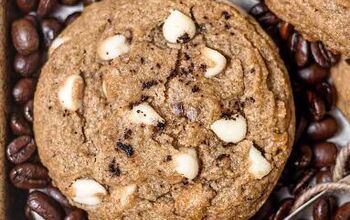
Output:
x=340 y=75
x=317 y=20
x=179 y=110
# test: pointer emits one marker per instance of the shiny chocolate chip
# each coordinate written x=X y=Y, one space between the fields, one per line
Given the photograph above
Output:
x=325 y=154
x=26 y=65
x=25 y=37
x=20 y=149
x=23 y=91
x=45 y=7
x=51 y=28
x=29 y=175
x=322 y=130
x=18 y=124
x=44 y=206
x=316 y=105
x=26 y=5
x=313 y=74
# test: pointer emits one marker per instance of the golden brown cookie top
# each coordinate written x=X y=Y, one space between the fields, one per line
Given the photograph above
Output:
x=176 y=110
x=326 y=21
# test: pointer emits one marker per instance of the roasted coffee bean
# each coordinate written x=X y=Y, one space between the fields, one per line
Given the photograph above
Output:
x=55 y=193
x=334 y=58
x=27 y=5
x=51 y=28
x=26 y=65
x=293 y=41
x=29 y=176
x=45 y=206
x=268 y=19
x=25 y=37
x=325 y=154
x=76 y=214
x=302 y=52
x=23 y=91
x=89 y=2
x=266 y=210
x=328 y=92
x=19 y=126
x=319 y=53
x=322 y=130
x=303 y=181
x=286 y=30
x=28 y=111
x=20 y=149
x=304 y=156
x=313 y=74
x=324 y=176
x=284 y=209
x=45 y=7
x=343 y=212
x=71 y=18
x=69 y=2
x=321 y=210
x=258 y=10
x=316 y=105
x=302 y=123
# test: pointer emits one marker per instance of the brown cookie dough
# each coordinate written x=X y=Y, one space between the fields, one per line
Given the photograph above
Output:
x=178 y=110
x=340 y=76
x=318 y=20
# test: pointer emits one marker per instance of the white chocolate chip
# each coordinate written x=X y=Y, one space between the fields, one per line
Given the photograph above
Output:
x=215 y=61
x=178 y=28
x=113 y=47
x=186 y=163
x=57 y=43
x=259 y=166
x=87 y=192
x=126 y=193
x=71 y=92
x=230 y=130
x=145 y=114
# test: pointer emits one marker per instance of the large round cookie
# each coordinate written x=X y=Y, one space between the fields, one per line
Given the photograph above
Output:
x=173 y=110
x=319 y=20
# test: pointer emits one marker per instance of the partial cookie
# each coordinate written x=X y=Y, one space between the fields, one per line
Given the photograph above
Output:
x=178 y=110
x=340 y=75
x=318 y=20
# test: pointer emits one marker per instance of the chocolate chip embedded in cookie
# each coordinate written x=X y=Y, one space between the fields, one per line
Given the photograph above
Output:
x=317 y=20
x=175 y=111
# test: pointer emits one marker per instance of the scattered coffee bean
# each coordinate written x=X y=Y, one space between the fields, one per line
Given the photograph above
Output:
x=268 y=19
x=334 y=58
x=284 y=209
x=72 y=17
x=304 y=156
x=322 y=130
x=286 y=30
x=20 y=149
x=322 y=209
x=266 y=211
x=45 y=206
x=45 y=7
x=89 y=2
x=29 y=176
x=54 y=193
x=24 y=89
x=302 y=123
x=69 y=2
x=25 y=37
x=28 y=111
x=303 y=181
x=19 y=126
x=343 y=212
x=313 y=74
x=26 y=65
x=325 y=154
x=33 y=19
x=292 y=42
x=316 y=105
x=320 y=55
x=258 y=9
x=27 y=5
x=76 y=214
x=324 y=176
x=302 y=52
x=51 y=28
x=328 y=92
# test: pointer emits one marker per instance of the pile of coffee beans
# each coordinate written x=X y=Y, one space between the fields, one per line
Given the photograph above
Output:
x=32 y=33
x=313 y=158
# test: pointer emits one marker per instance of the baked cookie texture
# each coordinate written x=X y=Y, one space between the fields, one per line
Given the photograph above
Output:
x=340 y=75
x=173 y=110
x=326 y=21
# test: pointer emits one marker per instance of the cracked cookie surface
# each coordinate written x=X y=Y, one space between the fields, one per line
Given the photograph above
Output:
x=178 y=110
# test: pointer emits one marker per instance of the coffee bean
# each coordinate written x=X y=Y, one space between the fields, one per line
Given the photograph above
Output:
x=319 y=53
x=24 y=89
x=328 y=92
x=45 y=7
x=26 y=65
x=343 y=212
x=324 y=176
x=89 y=2
x=20 y=149
x=258 y=10
x=325 y=154
x=302 y=52
x=316 y=105
x=268 y=19
x=69 y=2
x=313 y=74
x=286 y=30
x=19 y=126
x=54 y=193
x=32 y=19
x=45 y=206
x=28 y=176
x=292 y=42
x=334 y=58
x=71 y=18
x=304 y=156
x=266 y=210
x=322 y=130
x=284 y=209
x=76 y=214
x=51 y=28
x=28 y=111
x=25 y=37
x=303 y=181
x=26 y=5
x=321 y=210
x=301 y=126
